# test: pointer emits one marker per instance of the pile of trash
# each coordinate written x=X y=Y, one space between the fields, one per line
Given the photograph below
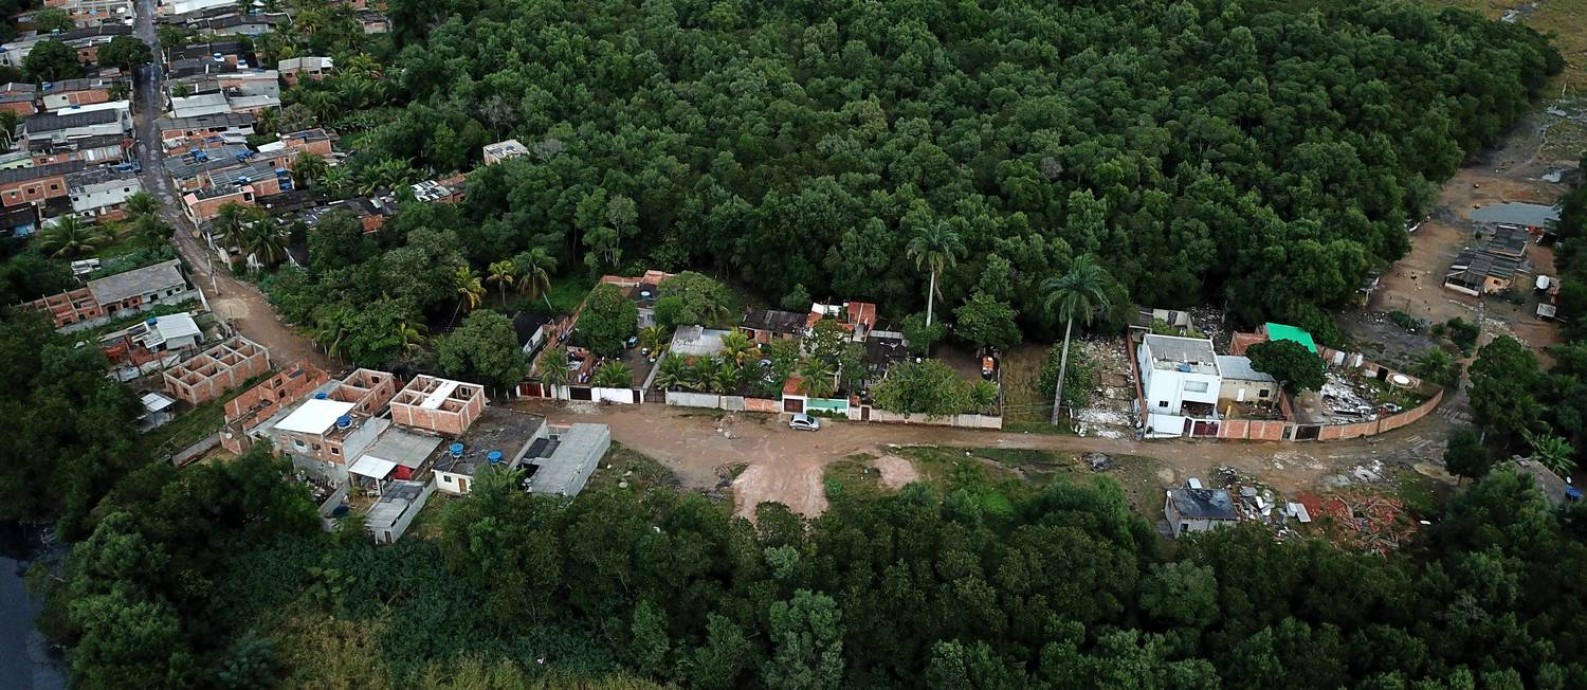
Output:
x=1361 y=519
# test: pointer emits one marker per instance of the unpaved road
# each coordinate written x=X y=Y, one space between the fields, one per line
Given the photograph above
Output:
x=238 y=304
x=787 y=466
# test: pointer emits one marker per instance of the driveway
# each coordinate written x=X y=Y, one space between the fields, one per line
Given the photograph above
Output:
x=787 y=466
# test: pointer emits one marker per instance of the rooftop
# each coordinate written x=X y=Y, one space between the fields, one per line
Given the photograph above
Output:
x=883 y=350
x=137 y=282
x=164 y=328
x=526 y=324
x=1507 y=240
x=1190 y=355
x=1207 y=504
x=575 y=456
x=305 y=63
x=395 y=500
x=774 y=321
x=401 y=448
x=1473 y=265
x=206 y=121
x=697 y=341
x=37 y=172
x=1239 y=369
x=99 y=175
x=315 y=416
x=70 y=119
x=496 y=429
x=1279 y=331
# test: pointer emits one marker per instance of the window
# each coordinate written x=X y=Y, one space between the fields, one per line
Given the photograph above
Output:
x=336 y=451
x=54 y=187
x=1195 y=386
x=1262 y=393
x=446 y=478
x=299 y=443
x=1162 y=403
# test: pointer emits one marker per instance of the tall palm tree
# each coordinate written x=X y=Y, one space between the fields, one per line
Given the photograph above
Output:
x=724 y=376
x=936 y=248
x=534 y=273
x=1080 y=293
x=336 y=181
x=553 y=368
x=652 y=339
x=308 y=169
x=738 y=349
x=362 y=65
x=503 y=273
x=673 y=373
x=71 y=237
x=230 y=222
x=386 y=174
x=818 y=378
x=142 y=204
x=264 y=241
x=613 y=374
x=465 y=282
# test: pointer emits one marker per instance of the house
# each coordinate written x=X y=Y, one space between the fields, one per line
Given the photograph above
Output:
x=766 y=325
x=439 y=405
x=199 y=105
x=258 y=405
x=86 y=41
x=181 y=134
x=856 y=318
x=1243 y=383
x=398 y=455
x=219 y=369
x=294 y=69
x=168 y=8
x=99 y=120
x=100 y=194
x=169 y=333
x=1508 y=241
x=1190 y=510
x=567 y=460
x=156 y=412
x=90 y=13
x=290 y=146
x=1270 y=331
x=105 y=298
x=498 y=438
x=71 y=93
x=203 y=205
x=19 y=99
x=374 y=22
x=697 y=341
x=231 y=53
x=231 y=23
x=533 y=330
x=101 y=149
x=504 y=150
x=1475 y=272
x=1179 y=379
x=443 y=191
x=19 y=221
x=400 y=502
x=189 y=171
x=1524 y=215
x=321 y=434
x=19 y=186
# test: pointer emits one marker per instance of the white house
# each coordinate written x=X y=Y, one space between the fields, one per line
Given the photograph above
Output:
x=168 y=333
x=1181 y=381
x=101 y=191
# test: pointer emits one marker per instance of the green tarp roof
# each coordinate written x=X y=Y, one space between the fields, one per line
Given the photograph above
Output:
x=1278 y=331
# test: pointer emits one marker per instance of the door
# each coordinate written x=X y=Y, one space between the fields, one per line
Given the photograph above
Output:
x=462 y=485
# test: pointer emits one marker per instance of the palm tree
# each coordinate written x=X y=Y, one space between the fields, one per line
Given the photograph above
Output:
x=554 y=369
x=465 y=282
x=336 y=181
x=613 y=374
x=936 y=248
x=818 y=378
x=411 y=335
x=702 y=373
x=1554 y=452
x=150 y=232
x=534 y=273
x=673 y=373
x=738 y=349
x=503 y=273
x=264 y=241
x=363 y=66
x=71 y=237
x=230 y=222
x=1082 y=293
x=308 y=169
x=652 y=339
x=385 y=174
x=725 y=376
x=142 y=204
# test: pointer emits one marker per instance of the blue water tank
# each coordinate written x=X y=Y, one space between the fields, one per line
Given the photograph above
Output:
x=494 y=457
x=152 y=321
x=344 y=421
x=456 y=450
x=322 y=396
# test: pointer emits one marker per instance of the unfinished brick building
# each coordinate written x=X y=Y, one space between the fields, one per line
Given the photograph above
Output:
x=439 y=405
x=246 y=412
x=221 y=368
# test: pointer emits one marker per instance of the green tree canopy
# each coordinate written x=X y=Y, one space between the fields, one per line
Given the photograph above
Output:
x=485 y=348
x=1296 y=367
x=608 y=320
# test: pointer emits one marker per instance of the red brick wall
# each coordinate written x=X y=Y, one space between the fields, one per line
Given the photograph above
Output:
x=29 y=191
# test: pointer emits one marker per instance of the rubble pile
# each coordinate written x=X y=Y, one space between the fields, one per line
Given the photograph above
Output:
x=1111 y=412
x=1361 y=520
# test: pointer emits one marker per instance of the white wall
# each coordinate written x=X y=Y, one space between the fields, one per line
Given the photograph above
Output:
x=95 y=199
x=1247 y=391
x=1176 y=387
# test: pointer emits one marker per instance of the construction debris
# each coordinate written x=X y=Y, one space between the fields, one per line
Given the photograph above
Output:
x=1360 y=519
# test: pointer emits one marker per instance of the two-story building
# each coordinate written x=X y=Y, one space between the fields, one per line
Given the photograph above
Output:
x=35 y=185
x=100 y=194
x=1180 y=381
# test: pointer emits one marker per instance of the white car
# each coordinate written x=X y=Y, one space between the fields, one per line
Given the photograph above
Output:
x=804 y=422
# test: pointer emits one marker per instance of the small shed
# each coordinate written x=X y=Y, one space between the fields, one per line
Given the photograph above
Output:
x=1198 y=510
x=1241 y=382
x=570 y=458
x=156 y=411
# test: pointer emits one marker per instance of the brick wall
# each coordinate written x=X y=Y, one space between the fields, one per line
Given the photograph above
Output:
x=246 y=411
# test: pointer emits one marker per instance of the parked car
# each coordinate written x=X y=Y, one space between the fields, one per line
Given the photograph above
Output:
x=804 y=422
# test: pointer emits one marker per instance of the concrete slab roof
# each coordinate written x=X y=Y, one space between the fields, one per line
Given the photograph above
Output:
x=315 y=416
x=137 y=282
x=403 y=448
x=577 y=454
x=1240 y=369
x=1517 y=213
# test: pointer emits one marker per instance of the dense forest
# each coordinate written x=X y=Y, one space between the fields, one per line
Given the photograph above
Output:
x=1249 y=153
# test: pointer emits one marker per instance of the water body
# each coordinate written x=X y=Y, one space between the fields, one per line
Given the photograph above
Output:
x=26 y=660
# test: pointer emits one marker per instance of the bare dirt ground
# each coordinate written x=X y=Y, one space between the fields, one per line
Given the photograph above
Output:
x=897 y=472
x=787 y=466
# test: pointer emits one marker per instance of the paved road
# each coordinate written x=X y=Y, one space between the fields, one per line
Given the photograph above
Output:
x=238 y=303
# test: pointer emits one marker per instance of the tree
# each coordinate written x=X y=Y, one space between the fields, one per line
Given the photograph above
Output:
x=50 y=20
x=935 y=249
x=150 y=232
x=1464 y=455
x=1080 y=293
x=553 y=368
x=534 y=273
x=127 y=52
x=613 y=374
x=1554 y=452
x=467 y=287
x=738 y=349
x=1436 y=365
x=140 y=204
x=608 y=320
x=927 y=387
x=986 y=322
x=722 y=660
x=308 y=169
x=485 y=348
x=818 y=377
x=807 y=644
x=503 y=273
x=1296 y=367
x=70 y=238
x=52 y=60
x=673 y=372
x=693 y=299
x=1503 y=383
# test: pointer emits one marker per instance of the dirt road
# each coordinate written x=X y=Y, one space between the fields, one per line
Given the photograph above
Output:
x=236 y=303
x=787 y=466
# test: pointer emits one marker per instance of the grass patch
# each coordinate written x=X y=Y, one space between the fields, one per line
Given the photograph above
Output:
x=638 y=471
x=192 y=427
x=1033 y=427
x=1022 y=457
x=853 y=478
x=1022 y=401
x=1423 y=496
